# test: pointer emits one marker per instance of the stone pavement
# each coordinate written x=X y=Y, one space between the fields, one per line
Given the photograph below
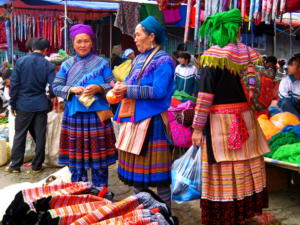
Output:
x=284 y=204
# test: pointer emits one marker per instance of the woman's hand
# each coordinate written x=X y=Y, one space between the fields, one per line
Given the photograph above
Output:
x=120 y=89
x=77 y=90
x=198 y=138
x=92 y=90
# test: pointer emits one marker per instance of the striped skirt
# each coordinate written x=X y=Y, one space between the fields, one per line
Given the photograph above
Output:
x=86 y=143
x=152 y=167
x=232 y=191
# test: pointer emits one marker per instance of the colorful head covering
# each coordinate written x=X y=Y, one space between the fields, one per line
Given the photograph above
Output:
x=222 y=28
x=81 y=29
x=127 y=53
x=152 y=25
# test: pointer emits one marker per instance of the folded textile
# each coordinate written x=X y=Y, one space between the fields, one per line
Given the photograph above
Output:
x=81 y=204
x=288 y=153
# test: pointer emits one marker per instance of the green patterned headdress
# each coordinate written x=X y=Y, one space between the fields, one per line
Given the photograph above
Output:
x=222 y=28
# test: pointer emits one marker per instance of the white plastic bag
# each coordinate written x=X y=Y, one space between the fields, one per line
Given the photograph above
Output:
x=186 y=176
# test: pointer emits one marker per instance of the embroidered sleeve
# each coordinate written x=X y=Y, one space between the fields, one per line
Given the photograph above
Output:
x=139 y=92
x=204 y=101
x=207 y=85
x=59 y=86
x=163 y=79
x=108 y=78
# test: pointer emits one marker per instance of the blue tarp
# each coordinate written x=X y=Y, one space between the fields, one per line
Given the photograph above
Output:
x=80 y=4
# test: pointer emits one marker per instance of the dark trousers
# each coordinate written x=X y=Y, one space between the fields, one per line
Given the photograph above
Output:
x=288 y=106
x=35 y=123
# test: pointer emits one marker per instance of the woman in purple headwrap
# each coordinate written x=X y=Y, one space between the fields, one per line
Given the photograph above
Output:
x=87 y=137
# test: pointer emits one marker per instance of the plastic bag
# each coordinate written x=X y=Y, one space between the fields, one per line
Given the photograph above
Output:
x=186 y=176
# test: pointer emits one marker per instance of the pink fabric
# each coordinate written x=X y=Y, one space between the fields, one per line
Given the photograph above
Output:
x=182 y=136
x=183 y=106
x=171 y=15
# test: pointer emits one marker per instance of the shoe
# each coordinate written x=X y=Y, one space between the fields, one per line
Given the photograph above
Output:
x=11 y=170
x=34 y=171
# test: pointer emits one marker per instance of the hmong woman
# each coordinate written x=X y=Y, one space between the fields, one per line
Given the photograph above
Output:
x=86 y=141
x=233 y=169
x=145 y=154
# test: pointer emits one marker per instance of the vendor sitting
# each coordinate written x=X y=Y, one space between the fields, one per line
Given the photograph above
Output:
x=289 y=88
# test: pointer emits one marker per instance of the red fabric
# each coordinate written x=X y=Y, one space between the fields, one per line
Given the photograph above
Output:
x=292 y=5
x=3 y=43
x=175 y=102
x=238 y=132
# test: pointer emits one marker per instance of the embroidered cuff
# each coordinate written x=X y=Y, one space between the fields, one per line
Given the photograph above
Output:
x=139 y=92
x=204 y=101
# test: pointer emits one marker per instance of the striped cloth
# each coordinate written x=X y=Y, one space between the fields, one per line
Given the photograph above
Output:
x=69 y=214
x=220 y=125
x=79 y=208
x=33 y=194
x=136 y=217
x=234 y=57
x=67 y=200
x=232 y=191
x=202 y=110
x=152 y=166
x=110 y=211
x=131 y=210
x=132 y=136
x=85 y=143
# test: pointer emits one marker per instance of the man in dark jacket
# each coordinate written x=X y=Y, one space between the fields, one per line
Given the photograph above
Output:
x=30 y=104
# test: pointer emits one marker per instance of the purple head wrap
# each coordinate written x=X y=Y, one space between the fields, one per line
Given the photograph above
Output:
x=81 y=29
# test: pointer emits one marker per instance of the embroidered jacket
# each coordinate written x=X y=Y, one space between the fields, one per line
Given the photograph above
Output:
x=83 y=71
x=153 y=95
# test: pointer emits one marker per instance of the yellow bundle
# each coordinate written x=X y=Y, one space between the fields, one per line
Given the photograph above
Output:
x=120 y=72
x=268 y=128
x=283 y=119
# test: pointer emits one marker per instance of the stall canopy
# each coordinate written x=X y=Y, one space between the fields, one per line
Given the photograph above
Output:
x=81 y=4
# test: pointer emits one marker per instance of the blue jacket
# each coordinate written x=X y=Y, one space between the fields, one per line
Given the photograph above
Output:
x=29 y=79
x=153 y=95
x=83 y=71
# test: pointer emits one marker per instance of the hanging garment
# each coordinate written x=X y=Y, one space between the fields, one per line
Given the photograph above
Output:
x=282 y=6
x=128 y=17
x=182 y=11
x=257 y=8
x=251 y=12
x=264 y=10
x=171 y=15
x=274 y=9
x=3 y=43
x=268 y=11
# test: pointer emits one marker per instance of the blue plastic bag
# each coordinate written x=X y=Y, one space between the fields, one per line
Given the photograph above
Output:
x=186 y=176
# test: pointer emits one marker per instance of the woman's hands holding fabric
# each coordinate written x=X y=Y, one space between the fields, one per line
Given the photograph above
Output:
x=92 y=90
x=198 y=138
x=77 y=90
x=120 y=89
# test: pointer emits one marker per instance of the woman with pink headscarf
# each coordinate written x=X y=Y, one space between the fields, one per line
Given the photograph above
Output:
x=87 y=137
